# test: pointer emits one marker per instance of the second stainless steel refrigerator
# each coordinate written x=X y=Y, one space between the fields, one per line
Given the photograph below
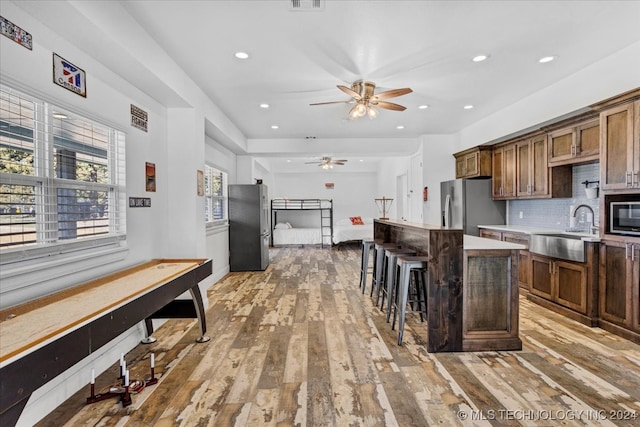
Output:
x=249 y=230
x=467 y=203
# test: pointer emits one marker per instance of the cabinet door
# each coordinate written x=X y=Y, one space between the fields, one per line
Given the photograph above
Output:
x=539 y=185
x=540 y=282
x=562 y=145
x=471 y=164
x=523 y=165
x=616 y=147
x=509 y=178
x=571 y=285
x=460 y=167
x=635 y=149
x=615 y=277
x=588 y=140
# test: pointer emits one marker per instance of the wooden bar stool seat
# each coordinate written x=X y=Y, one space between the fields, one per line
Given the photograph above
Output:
x=388 y=286
x=410 y=267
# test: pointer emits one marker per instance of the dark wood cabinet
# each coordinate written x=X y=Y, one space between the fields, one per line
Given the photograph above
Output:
x=575 y=144
x=474 y=163
x=620 y=287
x=567 y=287
x=532 y=167
x=504 y=172
x=620 y=147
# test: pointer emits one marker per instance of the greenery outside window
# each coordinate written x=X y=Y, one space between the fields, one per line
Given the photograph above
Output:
x=215 y=191
x=61 y=176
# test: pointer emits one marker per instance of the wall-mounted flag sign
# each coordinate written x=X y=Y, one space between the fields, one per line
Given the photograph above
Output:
x=69 y=76
x=15 y=33
x=139 y=118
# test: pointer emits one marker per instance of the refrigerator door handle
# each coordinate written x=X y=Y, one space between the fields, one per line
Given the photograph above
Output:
x=447 y=211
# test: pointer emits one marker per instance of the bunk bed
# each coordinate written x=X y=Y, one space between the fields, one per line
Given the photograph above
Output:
x=282 y=233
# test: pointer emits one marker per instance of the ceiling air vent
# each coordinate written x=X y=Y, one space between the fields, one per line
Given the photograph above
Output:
x=307 y=5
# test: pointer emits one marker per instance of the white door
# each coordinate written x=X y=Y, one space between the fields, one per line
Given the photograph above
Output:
x=402 y=196
x=414 y=211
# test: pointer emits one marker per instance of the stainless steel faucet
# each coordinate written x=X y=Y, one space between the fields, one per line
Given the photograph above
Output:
x=594 y=227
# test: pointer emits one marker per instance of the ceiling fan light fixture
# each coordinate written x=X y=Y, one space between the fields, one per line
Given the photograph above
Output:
x=372 y=112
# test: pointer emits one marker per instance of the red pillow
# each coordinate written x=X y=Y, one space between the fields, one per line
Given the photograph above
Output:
x=356 y=220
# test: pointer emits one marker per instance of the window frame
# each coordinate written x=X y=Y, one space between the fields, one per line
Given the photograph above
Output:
x=45 y=183
x=209 y=197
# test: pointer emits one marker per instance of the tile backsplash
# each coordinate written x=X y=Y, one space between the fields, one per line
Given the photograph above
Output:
x=554 y=213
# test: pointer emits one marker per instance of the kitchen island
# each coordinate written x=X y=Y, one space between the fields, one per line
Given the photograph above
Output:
x=472 y=286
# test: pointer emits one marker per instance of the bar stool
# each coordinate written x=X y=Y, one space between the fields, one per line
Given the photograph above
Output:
x=388 y=286
x=410 y=267
x=378 y=264
x=367 y=247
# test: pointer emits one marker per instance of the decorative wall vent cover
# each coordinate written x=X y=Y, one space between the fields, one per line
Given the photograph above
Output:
x=307 y=5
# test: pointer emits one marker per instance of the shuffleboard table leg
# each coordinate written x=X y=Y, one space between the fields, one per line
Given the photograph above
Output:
x=148 y=323
x=197 y=302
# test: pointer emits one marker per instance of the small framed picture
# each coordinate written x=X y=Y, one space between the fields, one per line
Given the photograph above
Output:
x=150 y=174
x=200 y=183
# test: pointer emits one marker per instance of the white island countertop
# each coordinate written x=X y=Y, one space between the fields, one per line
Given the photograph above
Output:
x=471 y=243
x=538 y=230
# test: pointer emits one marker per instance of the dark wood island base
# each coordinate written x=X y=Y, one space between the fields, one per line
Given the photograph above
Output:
x=472 y=286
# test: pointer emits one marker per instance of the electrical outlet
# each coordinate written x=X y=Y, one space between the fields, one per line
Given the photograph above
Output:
x=521 y=214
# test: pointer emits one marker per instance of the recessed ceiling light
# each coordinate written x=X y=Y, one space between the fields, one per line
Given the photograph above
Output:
x=546 y=59
x=423 y=107
x=480 y=58
x=59 y=116
x=274 y=126
x=242 y=55
x=361 y=160
x=399 y=127
x=264 y=105
x=468 y=107
x=288 y=161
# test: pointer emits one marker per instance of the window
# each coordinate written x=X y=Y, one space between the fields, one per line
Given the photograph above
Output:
x=60 y=175
x=215 y=191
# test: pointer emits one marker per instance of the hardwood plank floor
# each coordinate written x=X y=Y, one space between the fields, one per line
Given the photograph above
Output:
x=299 y=345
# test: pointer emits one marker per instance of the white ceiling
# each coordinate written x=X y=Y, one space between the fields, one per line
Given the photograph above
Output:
x=298 y=57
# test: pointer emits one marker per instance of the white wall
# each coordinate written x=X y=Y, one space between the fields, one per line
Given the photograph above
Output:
x=438 y=165
x=352 y=195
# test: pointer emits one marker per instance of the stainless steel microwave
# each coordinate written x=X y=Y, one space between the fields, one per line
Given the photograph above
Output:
x=625 y=218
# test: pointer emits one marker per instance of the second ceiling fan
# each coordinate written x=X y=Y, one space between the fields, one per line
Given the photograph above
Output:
x=327 y=162
x=363 y=94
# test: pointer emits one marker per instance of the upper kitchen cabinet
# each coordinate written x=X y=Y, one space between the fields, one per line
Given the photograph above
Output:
x=575 y=144
x=474 y=162
x=532 y=167
x=504 y=172
x=620 y=147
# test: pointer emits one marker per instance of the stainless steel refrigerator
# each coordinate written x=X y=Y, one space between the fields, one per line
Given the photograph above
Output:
x=467 y=203
x=249 y=230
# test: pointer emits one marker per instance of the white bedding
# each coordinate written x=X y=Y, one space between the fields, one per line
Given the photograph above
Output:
x=344 y=231
x=297 y=236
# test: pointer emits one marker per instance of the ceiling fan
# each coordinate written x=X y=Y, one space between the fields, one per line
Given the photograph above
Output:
x=327 y=162
x=365 y=98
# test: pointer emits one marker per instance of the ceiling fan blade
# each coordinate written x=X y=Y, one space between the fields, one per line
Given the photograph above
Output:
x=393 y=93
x=332 y=102
x=340 y=160
x=390 y=106
x=311 y=163
x=352 y=93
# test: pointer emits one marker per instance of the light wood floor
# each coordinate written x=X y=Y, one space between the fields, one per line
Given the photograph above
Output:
x=300 y=345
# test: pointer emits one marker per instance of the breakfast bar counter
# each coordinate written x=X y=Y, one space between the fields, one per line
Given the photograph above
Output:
x=472 y=286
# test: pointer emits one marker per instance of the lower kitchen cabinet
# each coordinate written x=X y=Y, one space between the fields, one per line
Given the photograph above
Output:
x=566 y=287
x=620 y=288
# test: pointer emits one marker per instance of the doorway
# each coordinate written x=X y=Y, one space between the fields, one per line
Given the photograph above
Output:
x=402 y=197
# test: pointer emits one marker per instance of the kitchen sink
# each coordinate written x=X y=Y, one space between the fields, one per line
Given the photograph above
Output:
x=565 y=246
